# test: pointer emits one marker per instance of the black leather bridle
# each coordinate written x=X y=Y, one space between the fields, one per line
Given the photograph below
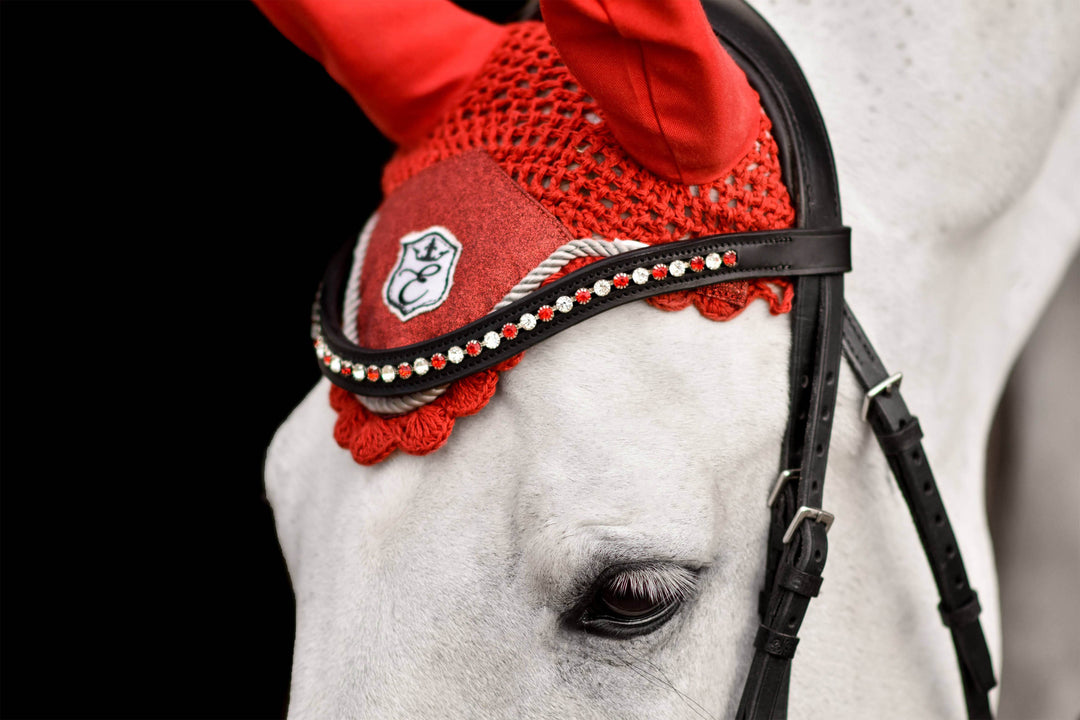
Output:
x=815 y=253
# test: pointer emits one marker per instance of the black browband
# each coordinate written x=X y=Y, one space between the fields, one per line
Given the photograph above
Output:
x=772 y=253
x=816 y=253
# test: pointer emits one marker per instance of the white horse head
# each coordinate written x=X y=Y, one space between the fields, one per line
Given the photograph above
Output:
x=621 y=469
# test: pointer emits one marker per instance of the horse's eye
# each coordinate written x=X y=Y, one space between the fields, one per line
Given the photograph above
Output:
x=625 y=603
x=635 y=601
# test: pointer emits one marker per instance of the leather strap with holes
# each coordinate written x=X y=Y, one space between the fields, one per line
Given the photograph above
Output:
x=899 y=436
x=794 y=568
x=793 y=572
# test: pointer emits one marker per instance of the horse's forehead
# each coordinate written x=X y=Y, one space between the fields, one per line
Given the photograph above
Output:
x=672 y=424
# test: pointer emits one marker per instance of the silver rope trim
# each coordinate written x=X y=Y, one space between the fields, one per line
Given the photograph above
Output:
x=586 y=247
x=352 y=289
x=400 y=404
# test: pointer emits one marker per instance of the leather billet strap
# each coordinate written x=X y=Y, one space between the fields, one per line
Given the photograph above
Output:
x=794 y=567
x=765 y=254
x=899 y=435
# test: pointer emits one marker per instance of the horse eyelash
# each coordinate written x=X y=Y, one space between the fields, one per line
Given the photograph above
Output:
x=658 y=582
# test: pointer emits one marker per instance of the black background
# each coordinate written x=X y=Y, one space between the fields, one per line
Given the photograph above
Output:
x=174 y=178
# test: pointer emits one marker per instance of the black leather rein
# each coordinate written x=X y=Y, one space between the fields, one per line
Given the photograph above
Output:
x=815 y=253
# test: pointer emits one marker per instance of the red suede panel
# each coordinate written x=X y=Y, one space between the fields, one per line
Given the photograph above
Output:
x=504 y=233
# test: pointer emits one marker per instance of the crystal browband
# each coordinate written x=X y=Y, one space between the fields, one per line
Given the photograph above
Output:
x=601 y=285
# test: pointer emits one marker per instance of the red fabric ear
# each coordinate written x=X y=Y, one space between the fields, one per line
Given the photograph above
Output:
x=403 y=61
x=671 y=95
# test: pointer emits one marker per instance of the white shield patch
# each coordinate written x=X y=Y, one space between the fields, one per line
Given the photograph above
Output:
x=424 y=273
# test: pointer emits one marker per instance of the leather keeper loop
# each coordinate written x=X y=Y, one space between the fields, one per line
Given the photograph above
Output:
x=775 y=643
x=797 y=581
x=903 y=439
x=964 y=615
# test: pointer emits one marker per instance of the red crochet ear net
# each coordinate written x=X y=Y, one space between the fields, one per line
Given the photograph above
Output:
x=527 y=111
x=672 y=96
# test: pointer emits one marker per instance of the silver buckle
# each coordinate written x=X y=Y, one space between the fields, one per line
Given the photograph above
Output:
x=885 y=386
x=781 y=480
x=815 y=514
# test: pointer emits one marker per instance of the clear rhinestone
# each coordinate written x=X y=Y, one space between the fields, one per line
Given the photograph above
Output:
x=712 y=261
x=527 y=321
x=677 y=268
x=388 y=372
x=491 y=340
x=602 y=287
x=420 y=366
x=335 y=365
x=641 y=276
x=564 y=304
x=455 y=354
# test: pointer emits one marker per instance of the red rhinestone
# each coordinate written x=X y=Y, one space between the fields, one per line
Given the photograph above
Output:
x=372 y=373
x=509 y=331
x=545 y=313
x=326 y=359
x=404 y=370
x=659 y=272
x=583 y=296
x=473 y=348
x=730 y=258
x=438 y=361
x=346 y=371
x=697 y=264
x=621 y=280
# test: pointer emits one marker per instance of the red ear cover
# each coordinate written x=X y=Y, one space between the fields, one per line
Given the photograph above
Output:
x=403 y=61
x=671 y=95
